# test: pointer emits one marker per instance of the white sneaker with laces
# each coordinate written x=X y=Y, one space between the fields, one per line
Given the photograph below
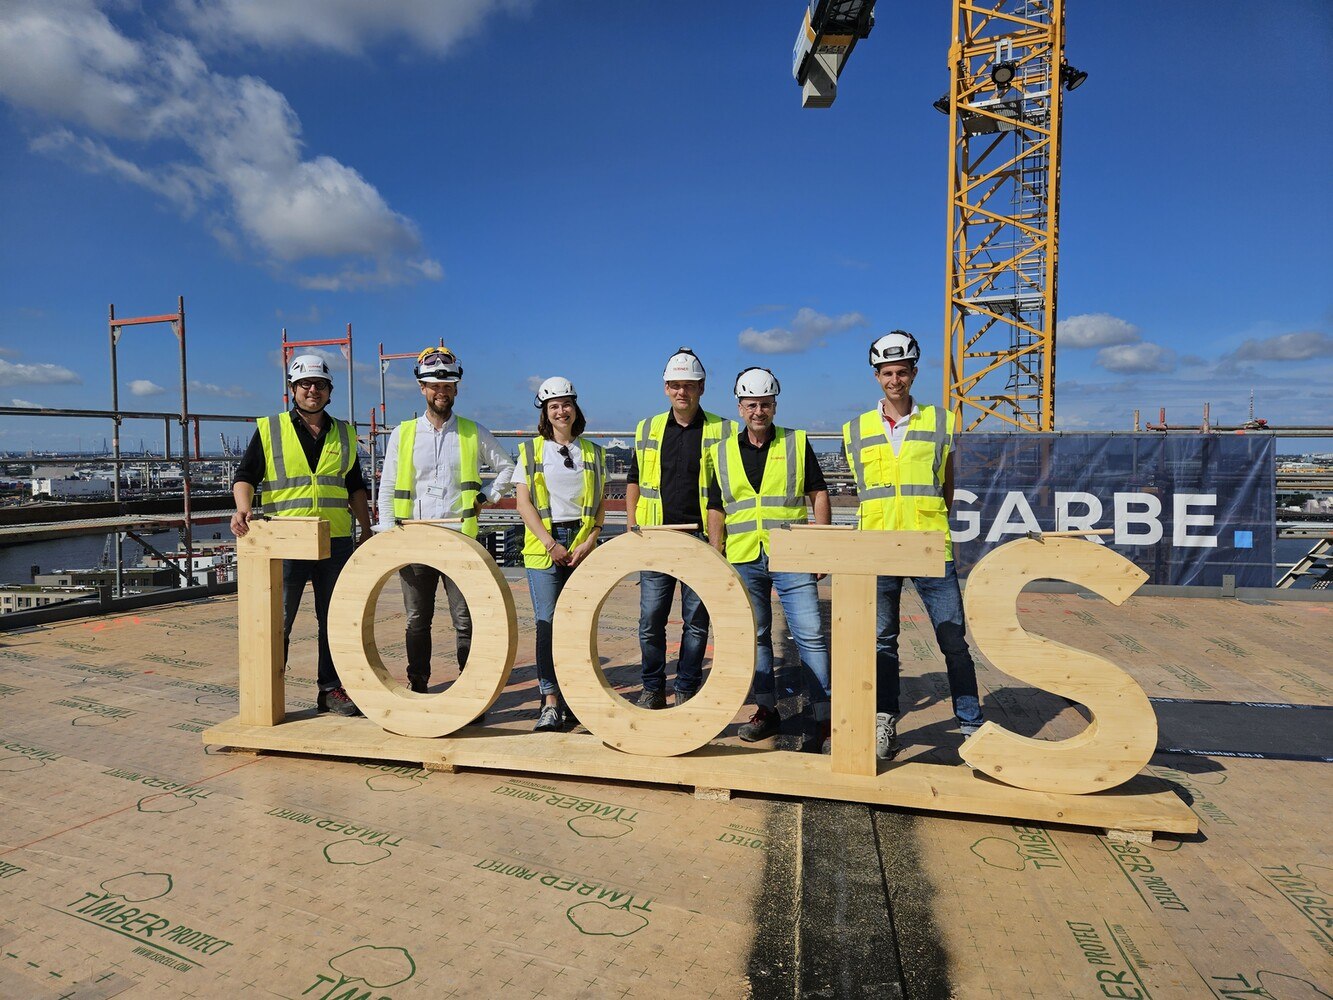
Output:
x=886 y=736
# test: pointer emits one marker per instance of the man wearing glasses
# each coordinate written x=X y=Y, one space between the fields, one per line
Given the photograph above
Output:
x=306 y=464
x=668 y=484
x=759 y=480
x=432 y=471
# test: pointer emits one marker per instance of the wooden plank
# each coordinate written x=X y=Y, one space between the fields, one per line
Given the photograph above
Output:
x=259 y=556
x=852 y=691
x=1141 y=804
x=855 y=559
x=828 y=549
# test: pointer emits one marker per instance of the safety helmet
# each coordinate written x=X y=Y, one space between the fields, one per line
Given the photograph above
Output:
x=308 y=366
x=552 y=388
x=437 y=364
x=757 y=382
x=683 y=366
x=896 y=346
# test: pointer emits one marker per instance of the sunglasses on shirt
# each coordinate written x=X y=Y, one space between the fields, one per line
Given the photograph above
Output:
x=564 y=453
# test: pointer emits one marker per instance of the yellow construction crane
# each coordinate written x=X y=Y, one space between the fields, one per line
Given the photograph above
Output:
x=1007 y=75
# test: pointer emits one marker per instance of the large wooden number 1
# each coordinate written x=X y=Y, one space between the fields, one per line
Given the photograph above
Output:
x=1123 y=732
x=259 y=608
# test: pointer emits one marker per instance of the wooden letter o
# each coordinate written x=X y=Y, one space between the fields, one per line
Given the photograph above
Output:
x=1123 y=732
x=578 y=668
x=352 y=630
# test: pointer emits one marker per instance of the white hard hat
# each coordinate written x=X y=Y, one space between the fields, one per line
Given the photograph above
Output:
x=895 y=346
x=553 y=388
x=437 y=364
x=308 y=366
x=683 y=366
x=757 y=382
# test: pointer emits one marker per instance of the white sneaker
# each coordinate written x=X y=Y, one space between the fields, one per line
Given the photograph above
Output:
x=886 y=736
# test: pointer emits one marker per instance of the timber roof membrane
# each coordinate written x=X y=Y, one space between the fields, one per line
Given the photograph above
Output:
x=135 y=861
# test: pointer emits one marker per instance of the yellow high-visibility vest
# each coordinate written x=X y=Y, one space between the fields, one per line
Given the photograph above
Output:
x=292 y=489
x=535 y=555
x=648 y=451
x=780 y=499
x=469 y=474
x=903 y=492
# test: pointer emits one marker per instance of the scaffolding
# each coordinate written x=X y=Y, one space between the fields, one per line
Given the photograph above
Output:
x=381 y=426
x=1004 y=107
x=115 y=328
x=344 y=345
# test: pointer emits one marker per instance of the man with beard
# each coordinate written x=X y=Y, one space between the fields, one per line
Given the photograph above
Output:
x=432 y=471
x=306 y=464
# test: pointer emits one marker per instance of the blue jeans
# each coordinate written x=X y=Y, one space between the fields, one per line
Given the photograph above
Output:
x=944 y=604
x=545 y=585
x=800 y=605
x=655 y=593
x=322 y=574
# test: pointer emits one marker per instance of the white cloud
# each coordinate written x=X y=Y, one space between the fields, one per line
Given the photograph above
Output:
x=143 y=387
x=212 y=389
x=1286 y=347
x=534 y=383
x=25 y=404
x=1141 y=358
x=238 y=142
x=808 y=329
x=1096 y=330
x=311 y=315
x=15 y=374
x=400 y=384
x=346 y=26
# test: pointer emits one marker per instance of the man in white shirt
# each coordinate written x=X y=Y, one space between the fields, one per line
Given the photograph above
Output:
x=432 y=472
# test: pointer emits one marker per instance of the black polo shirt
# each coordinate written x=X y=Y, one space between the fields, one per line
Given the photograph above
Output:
x=753 y=459
x=679 y=461
x=253 y=463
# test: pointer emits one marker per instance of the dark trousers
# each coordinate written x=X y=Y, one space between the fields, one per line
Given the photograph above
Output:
x=322 y=574
x=420 y=583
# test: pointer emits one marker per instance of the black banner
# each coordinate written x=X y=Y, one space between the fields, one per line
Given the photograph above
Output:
x=1187 y=510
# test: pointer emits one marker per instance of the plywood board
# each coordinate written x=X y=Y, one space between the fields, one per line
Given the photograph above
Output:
x=284 y=857
x=1143 y=804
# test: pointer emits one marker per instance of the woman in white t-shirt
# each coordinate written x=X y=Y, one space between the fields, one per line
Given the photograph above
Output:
x=561 y=482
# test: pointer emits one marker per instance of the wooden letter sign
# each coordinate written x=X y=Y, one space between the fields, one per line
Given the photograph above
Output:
x=1014 y=777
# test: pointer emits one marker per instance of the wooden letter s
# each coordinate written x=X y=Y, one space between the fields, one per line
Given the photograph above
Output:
x=1123 y=732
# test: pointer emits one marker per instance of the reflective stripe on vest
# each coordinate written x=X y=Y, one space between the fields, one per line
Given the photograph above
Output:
x=750 y=516
x=292 y=489
x=535 y=555
x=903 y=492
x=468 y=473
x=648 y=451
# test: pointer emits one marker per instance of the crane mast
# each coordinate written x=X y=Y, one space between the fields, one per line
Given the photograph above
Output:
x=1007 y=74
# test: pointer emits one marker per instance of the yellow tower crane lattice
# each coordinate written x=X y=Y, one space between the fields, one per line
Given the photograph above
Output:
x=1007 y=74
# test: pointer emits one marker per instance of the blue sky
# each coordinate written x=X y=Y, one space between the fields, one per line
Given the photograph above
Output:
x=577 y=189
